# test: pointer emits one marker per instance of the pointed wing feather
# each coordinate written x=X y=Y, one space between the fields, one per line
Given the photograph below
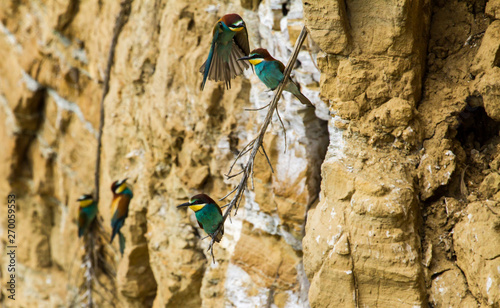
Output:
x=281 y=66
x=241 y=39
x=199 y=224
x=208 y=65
x=82 y=223
x=120 y=207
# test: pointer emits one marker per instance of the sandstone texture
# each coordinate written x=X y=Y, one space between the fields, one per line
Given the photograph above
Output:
x=409 y=198
x=387 y=194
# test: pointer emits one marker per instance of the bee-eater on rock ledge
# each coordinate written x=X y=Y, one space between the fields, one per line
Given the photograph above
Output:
x=86 y=213
x=229 y=43
x=208 y=214
x=122 y=194
x=270 y=72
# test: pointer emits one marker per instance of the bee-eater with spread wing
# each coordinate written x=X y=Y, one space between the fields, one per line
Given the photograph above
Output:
x=208 y=214
x=229 y=43
x=86 y=213
x=270 y=72
x=122 y=194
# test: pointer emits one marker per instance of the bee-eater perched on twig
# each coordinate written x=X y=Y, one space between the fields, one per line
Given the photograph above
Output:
x=122 y=194
x=229 y=43
x=208 y=214
x=270 y=72
x=86 y=213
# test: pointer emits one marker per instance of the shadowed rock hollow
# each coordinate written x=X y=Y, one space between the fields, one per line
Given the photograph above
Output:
x=386 y=196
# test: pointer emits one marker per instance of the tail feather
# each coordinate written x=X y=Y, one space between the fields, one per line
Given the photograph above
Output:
x=304 y=100
x=116 y=228
x=294 y=88
x=122 y=242
x=219 y=236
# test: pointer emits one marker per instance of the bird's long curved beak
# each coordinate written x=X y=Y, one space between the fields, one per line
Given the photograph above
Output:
x=184 y=204
x=244 y=58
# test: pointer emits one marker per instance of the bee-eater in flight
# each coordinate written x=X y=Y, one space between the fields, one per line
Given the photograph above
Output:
x=122 y=194
x=229 y=43
x=86 y=213
x=208 y=214
x=270 y=72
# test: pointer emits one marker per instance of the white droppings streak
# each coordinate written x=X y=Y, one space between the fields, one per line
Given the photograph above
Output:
x=10 y=118
x=30 y=83
x=11 y=38
x=70 y=106
x=489 y=283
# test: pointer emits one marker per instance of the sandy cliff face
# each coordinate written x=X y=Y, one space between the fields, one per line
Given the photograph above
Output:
x=406 y=208
x=402 y=150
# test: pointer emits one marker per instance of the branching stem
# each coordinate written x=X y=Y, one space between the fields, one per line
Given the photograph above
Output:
x=257 y=143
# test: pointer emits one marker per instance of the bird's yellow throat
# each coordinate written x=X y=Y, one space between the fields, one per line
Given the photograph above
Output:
x=121 y=188
x=236 y=29
x=196 y=207
x=255 y=61
x=85 y=203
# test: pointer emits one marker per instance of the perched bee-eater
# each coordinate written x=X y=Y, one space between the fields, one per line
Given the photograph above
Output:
x=208 y=214
x=86 y=213
x=122 y=194
x=229 y=43
x=270 y=72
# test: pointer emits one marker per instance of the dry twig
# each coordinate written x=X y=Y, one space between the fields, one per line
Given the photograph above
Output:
x=255 y=144
x=94 y=260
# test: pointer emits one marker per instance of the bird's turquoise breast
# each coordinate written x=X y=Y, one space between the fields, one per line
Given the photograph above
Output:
x=209 y=217
x=269 y=73
x=90 y=210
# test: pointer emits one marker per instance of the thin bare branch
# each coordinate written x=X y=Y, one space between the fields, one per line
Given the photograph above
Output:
x=257 y=142
x=282 y=125
x=121 y=20
x=245 y=150
x=257 y=109
x=235 y=174
x=267 y=157
x=229 y=193
x=252 y=177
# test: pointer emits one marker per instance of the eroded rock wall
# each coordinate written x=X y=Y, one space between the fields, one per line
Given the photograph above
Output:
x=362 y=243
x=407 y=206
x=402 y=150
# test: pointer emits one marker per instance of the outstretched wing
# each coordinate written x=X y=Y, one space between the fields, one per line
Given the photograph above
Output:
x=223 y=70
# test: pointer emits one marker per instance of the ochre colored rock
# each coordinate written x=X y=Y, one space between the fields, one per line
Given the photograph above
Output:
x=493 y=9
x=475 y=243
x=391 y=203
x=488 y=55
x=328 y=25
